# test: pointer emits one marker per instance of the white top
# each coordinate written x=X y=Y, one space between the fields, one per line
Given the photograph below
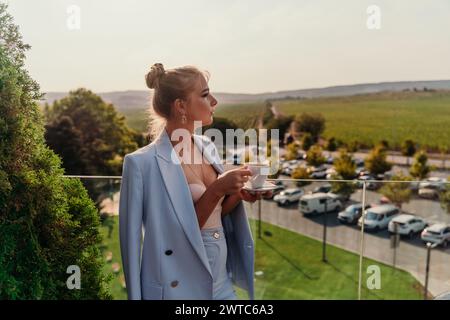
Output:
x=215 y=219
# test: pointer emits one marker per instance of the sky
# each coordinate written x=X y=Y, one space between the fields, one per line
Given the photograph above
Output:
x=248 y=46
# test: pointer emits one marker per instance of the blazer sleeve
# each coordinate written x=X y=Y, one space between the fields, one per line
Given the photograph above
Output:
x=130 y=226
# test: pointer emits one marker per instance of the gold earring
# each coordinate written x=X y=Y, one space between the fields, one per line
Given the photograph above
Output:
x=183 y=119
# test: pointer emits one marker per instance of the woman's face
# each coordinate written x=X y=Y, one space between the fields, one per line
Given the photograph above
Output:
x=201 y=104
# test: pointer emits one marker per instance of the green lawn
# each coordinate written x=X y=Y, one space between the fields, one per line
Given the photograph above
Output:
x=423 y=117
x=111 y=243
x=292 y=269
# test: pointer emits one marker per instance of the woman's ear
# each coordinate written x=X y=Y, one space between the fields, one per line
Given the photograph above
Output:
x=180 y=106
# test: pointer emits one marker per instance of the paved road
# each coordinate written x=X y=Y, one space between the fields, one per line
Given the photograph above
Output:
x=411 y=254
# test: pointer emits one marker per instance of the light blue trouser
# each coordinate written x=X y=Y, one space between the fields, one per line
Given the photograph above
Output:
x=216 y=250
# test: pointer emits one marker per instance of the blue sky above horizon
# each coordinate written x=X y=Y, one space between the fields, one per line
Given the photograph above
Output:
x=249 y=46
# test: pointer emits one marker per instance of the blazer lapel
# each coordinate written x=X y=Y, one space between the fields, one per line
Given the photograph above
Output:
x=180 y=195
x=207 y=148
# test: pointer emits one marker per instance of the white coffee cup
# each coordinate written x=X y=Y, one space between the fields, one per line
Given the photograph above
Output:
x=259 y=171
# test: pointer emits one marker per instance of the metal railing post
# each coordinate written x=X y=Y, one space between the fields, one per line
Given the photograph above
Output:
x=259 y=219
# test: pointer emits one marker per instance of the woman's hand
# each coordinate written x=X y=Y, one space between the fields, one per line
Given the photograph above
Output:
x=232 y=181
x=252 y=197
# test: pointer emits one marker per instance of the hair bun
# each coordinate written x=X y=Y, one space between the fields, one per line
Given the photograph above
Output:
x=153 y=76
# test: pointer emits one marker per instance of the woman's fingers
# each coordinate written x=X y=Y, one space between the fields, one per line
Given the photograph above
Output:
x=244 y=172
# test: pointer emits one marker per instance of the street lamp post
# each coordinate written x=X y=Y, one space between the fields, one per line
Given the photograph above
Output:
x=427 y=269
x=395 y=239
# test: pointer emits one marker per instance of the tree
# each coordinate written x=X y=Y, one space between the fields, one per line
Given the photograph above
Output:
x=103 y=133
x=314 y=156
x=221 y=124
x=312 y=123
x=346 y=170
x=267 y=114
x=444 y=150
x=282 y=123
x=420 y=169
x=445 y=198
x=353 y=146
x=331 y=144
x=408 y=149
x=64 y=137
x=292 y=151
x=307 y=141
x=345 y=166
x=376 y=161
x=384 y=144
x=47 y=222
x=300 y=173
x=397 y=192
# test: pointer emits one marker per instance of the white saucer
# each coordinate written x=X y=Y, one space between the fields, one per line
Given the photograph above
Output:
x=267 y=186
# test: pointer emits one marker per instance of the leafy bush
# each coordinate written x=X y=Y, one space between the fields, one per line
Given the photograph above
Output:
x=47 y=222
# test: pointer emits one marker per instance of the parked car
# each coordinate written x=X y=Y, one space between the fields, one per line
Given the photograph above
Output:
x=287 y=171
x=300 y=156
x=288 y=196
x=388 y=175
x=277 y=190
x=359 y=162
x=317 y=172
x=438 y=233
x=352 y=213
x=433 y=183
x=318 y=175
x=364 y=172
x=378 y=218
x=360 y=171
x=285 y=164
x=330 y=159
x=278 y=183
x=330 y=173
x=324 y=188
x=428 y=193
x=407 y=225
x=316 y=203
x=370 y=185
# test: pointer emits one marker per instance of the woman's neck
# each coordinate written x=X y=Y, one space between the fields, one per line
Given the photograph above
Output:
x=170 y=128
x=185 y=131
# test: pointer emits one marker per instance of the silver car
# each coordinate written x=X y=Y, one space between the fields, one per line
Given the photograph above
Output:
x=438 y=233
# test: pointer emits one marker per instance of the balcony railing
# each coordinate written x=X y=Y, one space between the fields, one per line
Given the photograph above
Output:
x=304 y=253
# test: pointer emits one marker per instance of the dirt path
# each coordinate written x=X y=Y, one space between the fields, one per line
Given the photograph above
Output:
x=276 y=112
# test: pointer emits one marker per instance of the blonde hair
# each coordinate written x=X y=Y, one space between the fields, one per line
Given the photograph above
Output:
x=168 y=86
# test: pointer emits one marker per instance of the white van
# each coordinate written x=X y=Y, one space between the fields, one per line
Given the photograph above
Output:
x=315 y=203
x=378 y=217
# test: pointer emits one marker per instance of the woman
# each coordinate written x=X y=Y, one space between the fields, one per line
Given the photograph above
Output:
x=184 y=232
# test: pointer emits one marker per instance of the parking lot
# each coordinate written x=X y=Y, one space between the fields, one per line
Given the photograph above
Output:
x=410 y=255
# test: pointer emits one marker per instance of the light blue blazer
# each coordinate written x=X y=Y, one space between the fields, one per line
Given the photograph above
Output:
x=162 y=249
